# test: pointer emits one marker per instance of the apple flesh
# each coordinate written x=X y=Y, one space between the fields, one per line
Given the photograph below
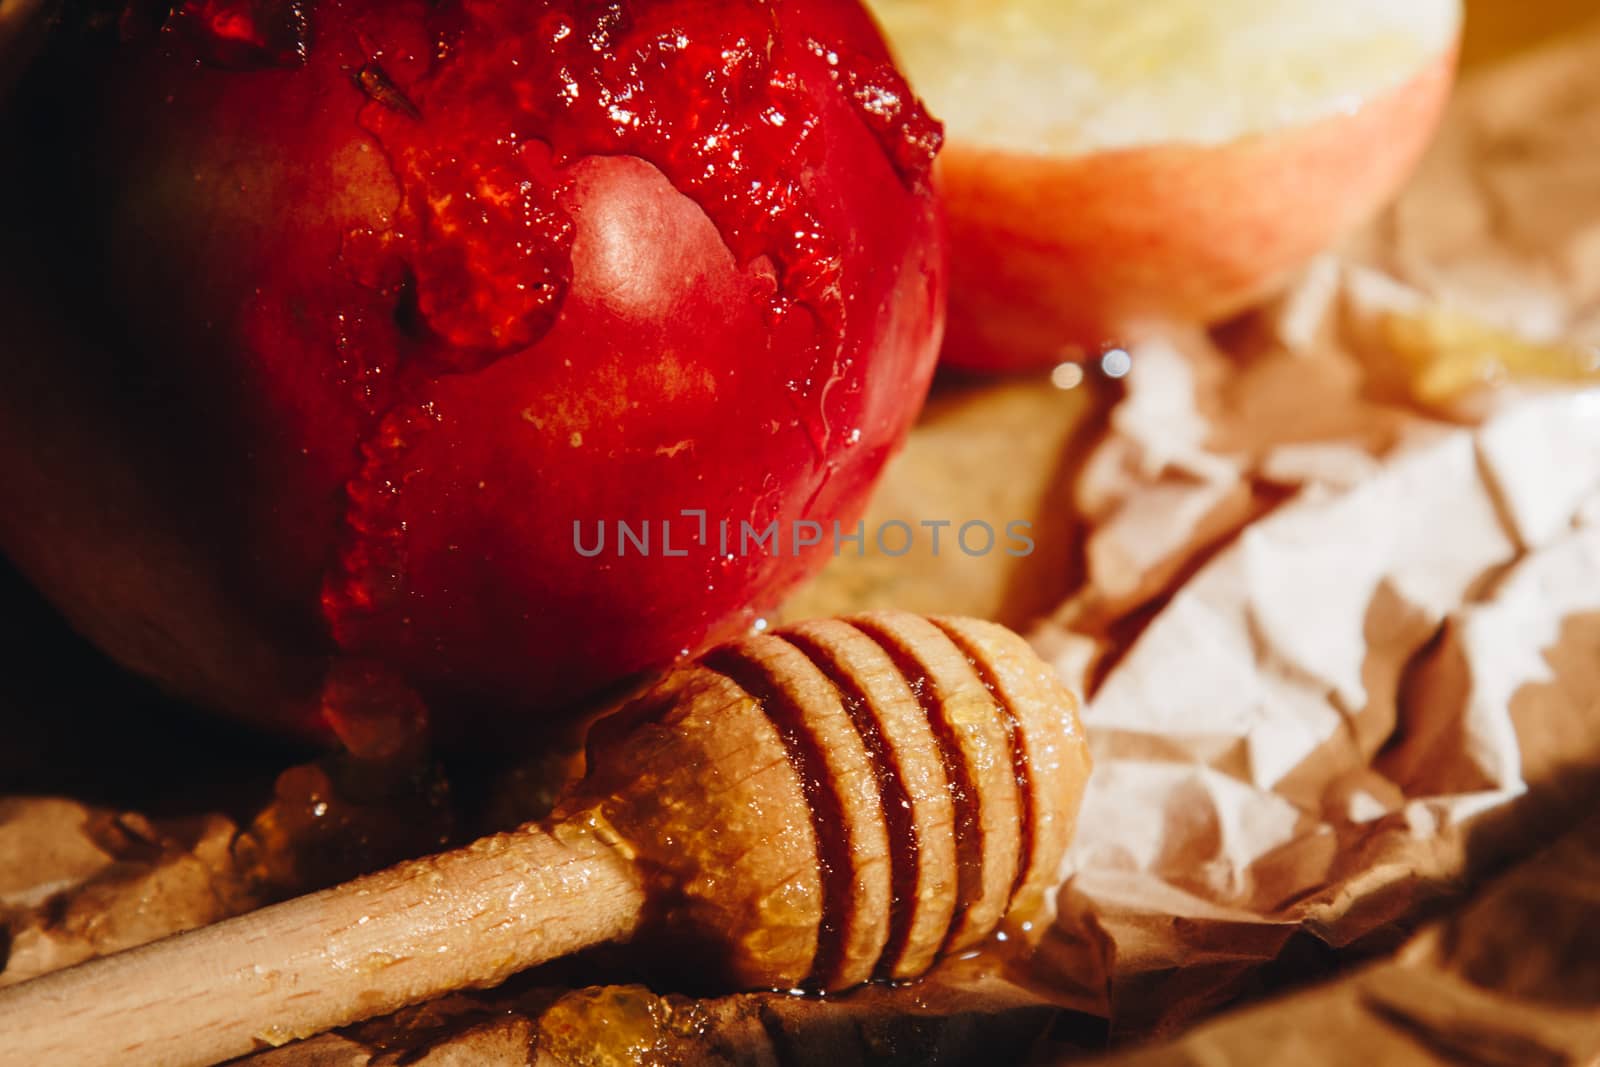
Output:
x=429 y=289
x=1115 y=165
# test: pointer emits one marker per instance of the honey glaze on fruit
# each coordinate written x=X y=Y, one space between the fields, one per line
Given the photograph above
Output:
x=909 y=135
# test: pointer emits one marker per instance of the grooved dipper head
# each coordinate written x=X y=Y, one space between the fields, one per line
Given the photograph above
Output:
x=843 y=800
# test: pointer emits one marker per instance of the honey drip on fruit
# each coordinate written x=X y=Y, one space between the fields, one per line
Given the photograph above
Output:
x=910 y=137
x=245 y=34
x=369 y=583
x=375 y=714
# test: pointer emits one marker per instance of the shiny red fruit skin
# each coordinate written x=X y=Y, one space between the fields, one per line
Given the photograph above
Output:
x=434 y=282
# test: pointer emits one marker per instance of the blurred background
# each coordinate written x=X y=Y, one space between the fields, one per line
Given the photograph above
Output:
x=1497 y=28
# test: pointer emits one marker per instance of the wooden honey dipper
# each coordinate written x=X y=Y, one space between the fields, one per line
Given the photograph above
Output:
x=814 y=807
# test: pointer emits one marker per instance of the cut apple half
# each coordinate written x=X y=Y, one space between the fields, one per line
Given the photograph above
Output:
x=1114 y=162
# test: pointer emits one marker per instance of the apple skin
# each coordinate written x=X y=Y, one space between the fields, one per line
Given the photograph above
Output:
x=409 y=327
x=1054 y=256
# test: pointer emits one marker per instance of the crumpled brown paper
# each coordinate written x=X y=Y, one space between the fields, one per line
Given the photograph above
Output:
x=1307 y=734
x=76 y=883
x=1467 y=990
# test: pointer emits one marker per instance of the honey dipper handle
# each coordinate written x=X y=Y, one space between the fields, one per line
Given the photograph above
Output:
x=466 y=918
